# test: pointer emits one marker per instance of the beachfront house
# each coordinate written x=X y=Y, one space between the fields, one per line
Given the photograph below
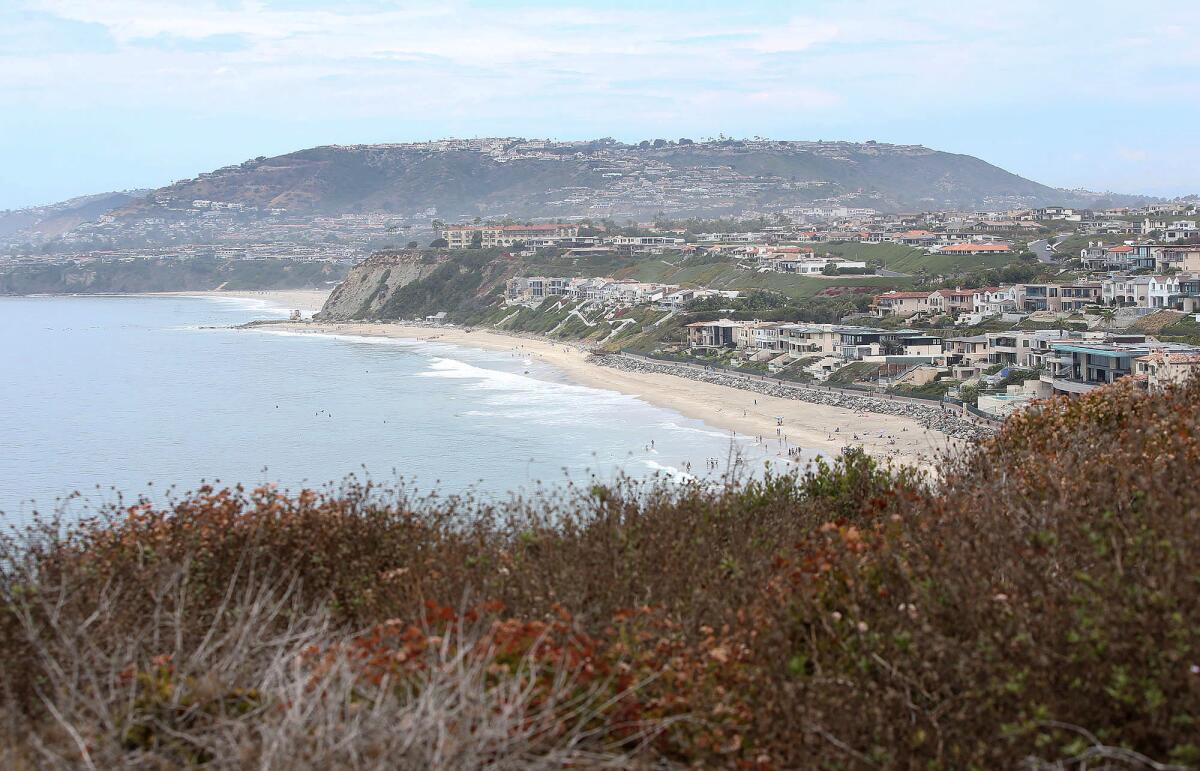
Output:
x=713 y=334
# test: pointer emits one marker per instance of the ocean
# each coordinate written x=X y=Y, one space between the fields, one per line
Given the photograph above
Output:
x=156 y=395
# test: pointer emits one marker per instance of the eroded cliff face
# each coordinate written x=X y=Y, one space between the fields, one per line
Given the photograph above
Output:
x=371 y=282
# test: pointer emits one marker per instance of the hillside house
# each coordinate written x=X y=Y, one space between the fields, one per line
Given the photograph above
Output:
x=1058 y=298
x=490 y=236
x=952 y=301
x=969 y=247
x=991 y=300
x=901 y=304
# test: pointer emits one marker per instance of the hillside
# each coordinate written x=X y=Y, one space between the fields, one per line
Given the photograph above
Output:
x=854 y=617
x=468 y=285
x=605 y=178
x=39 y=222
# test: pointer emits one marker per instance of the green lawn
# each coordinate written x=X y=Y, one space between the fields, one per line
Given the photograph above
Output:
x=726 y=275
x=909 y=259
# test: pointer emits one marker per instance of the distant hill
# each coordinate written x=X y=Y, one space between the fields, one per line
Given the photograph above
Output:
x=56 y=219
x=531 y=178
x=373 y=192
x=167 y=275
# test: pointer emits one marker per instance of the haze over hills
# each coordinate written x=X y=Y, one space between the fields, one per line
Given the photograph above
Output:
x=463 y=179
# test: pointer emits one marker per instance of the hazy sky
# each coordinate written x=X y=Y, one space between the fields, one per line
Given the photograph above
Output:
x=99 y=95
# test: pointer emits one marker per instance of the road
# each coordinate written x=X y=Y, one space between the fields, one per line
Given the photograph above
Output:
x=1043 y=250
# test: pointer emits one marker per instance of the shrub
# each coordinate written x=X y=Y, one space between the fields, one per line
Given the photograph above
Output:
x=1034 y=606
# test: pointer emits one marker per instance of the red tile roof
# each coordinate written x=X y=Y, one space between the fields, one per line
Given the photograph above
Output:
x=902 y=295
x=968 y=247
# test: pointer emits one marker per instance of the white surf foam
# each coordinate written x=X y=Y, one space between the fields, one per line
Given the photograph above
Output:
x=675 y=474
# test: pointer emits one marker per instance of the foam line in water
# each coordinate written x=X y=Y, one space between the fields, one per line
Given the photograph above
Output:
x=246 y=303
x=675 y=474
x=670 y=426
x=455 y=369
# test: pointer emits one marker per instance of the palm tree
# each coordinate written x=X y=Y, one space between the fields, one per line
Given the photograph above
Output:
x=1107 y=315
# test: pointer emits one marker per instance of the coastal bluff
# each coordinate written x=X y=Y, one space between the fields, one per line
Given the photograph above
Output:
x=371 y=283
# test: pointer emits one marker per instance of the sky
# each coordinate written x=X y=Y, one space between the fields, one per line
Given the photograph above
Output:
x=99 y=95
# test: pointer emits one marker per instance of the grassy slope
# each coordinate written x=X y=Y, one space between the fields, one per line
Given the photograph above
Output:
x=726 y=275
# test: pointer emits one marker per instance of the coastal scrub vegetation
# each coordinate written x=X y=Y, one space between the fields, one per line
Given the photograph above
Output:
x=1036 y=607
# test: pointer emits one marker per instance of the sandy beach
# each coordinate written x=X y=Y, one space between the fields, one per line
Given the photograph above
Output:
x=810 y=426
x=307 y=301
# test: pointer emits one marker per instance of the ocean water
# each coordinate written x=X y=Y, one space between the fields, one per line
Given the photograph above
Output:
x=142 y=394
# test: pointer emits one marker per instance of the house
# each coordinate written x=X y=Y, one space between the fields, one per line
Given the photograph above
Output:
x=673 y=301
x=915 y=238
x=1058 y=298
x=809 y=265
x=867 y=343
x=630 y=292
x=1185 y=258
x=1022 y=348
x=991 y=300
x=809 y=339
x=760 y=337
x=534 y=289
x=1170 y=231
x=489 y=236
x=1188 y=298
x=628 y=246
x=952 y=301
x=1080 y=367
x=1126 y=291
x=972 y=350
x=713 y=334
x=1164 y=368
x=1097 y=256
x=969 y=247
x=1061 y=213
x=901 y=304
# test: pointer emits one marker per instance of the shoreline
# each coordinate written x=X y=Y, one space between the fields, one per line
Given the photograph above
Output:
x=307 y=301
x=827 y=429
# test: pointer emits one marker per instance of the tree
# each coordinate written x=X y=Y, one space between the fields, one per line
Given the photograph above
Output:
x=413 y=244
x=439 y=243
x=477 y=239
x=1107 y=315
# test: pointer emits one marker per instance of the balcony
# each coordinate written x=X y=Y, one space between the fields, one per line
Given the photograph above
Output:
x=1062 y=385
